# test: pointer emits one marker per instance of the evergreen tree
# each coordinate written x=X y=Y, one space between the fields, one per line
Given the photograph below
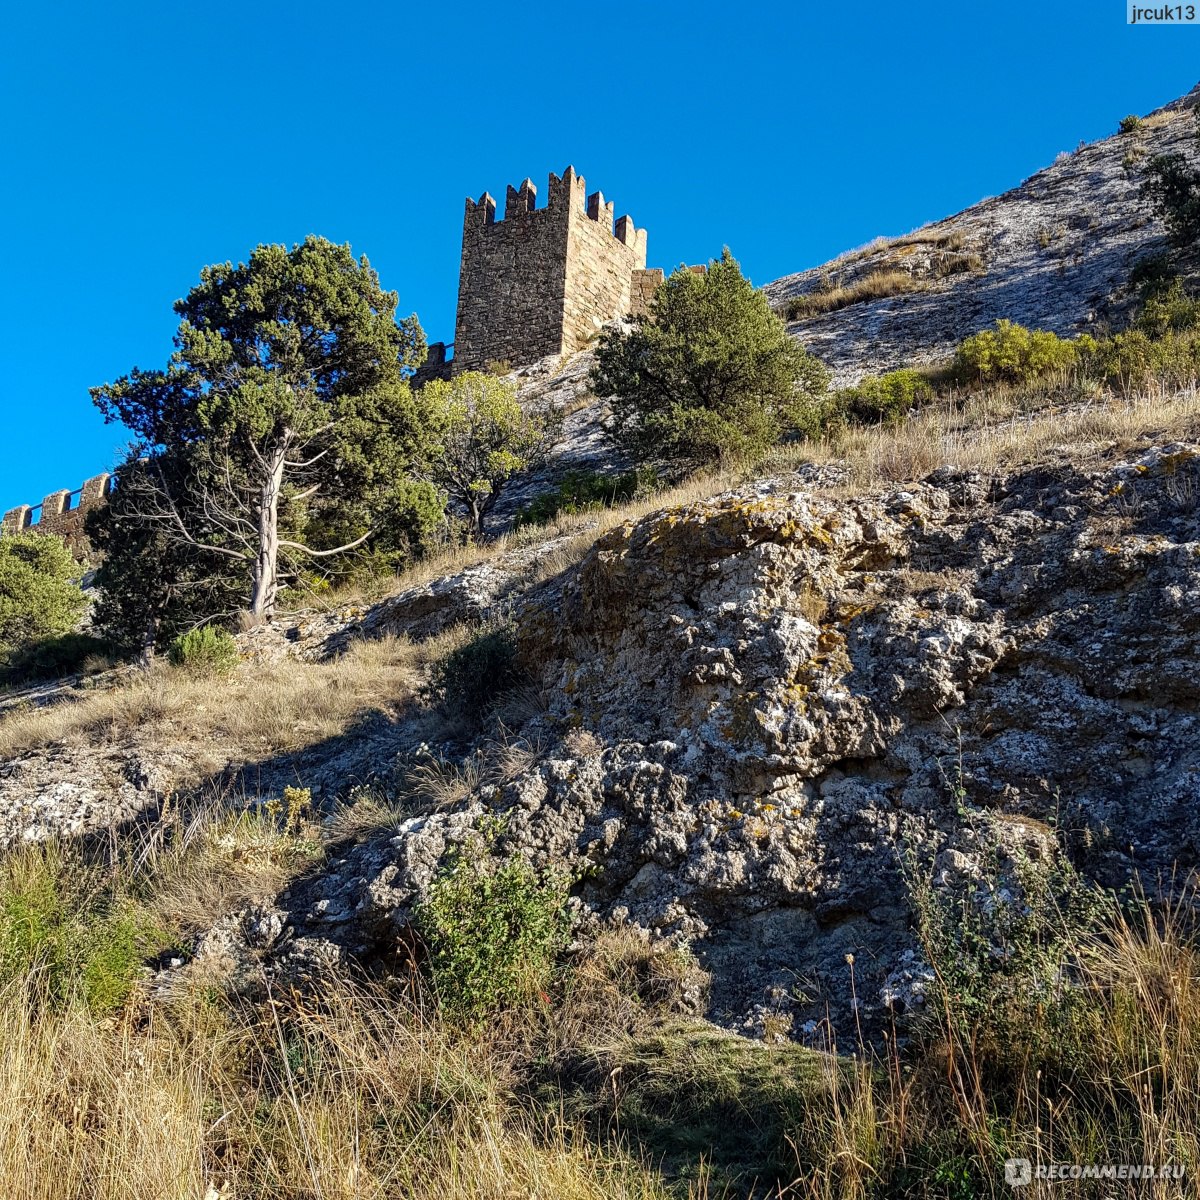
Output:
x=287 y=396
x=711 y=373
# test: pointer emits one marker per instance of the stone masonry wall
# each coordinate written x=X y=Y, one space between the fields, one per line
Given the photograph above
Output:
x=600 y=268
x=643 y=287
x=541 y=282
x=61 y=512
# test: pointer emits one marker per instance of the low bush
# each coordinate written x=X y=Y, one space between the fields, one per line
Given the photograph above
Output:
x=1134 y=360
x=882 y=399
x=1002 y=950
x=493 y=930
x=1167 y=309
x=469 y=681
x=1153 y=275
x=1130 y=124
x=1011 y=353
x=208 y=650
x=580 y=491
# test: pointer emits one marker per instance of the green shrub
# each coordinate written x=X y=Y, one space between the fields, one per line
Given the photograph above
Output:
x=39 y=597
x=1133 y=360
x=56 y=657
x=63 y=928
x=1011 y=353
x=1130 y=124
x=1153 y=275
x=493 y=930
x=1168 y=309
x=582 y=491
x=711 y=374
x=1172 y=185
x=883 y=398
x=470 y=680
x=480 y=439
x=208 y=650
x=1002 y=945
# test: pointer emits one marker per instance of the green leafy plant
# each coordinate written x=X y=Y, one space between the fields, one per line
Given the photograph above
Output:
x=580 y=491
x=1011 y=353
x=710 y=374
x=208 y=650
x=1168 y=309
x=64 y=927
x=482 y=438
x=1130 y=124
x=493 y=930
x=883 y=398
x=39 y=595
x=469 y=681
x=1002 y=945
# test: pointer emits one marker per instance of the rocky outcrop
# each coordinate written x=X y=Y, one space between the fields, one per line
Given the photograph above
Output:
x=767 y=709
x=1054 y=253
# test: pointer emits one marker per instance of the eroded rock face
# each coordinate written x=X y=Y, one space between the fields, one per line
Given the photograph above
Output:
x=1054 y=253
x=792 y=696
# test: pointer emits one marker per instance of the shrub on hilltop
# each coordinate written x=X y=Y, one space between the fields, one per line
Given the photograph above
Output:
x=710 y=374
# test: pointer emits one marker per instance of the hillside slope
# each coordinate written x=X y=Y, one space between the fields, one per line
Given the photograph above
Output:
x=1054 y=253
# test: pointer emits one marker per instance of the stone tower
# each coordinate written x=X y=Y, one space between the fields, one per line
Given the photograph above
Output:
x=543 y=281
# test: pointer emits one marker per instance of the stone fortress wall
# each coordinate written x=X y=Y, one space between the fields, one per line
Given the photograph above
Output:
x=61 y=512
x=541 y=282
x=544 y=281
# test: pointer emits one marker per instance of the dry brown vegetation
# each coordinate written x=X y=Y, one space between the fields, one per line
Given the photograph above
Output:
x=259 y=710
x=877 y=285
x=1000 y=429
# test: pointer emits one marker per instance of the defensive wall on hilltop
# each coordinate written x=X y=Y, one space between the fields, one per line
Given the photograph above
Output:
x=538 y=283
x=60 y=512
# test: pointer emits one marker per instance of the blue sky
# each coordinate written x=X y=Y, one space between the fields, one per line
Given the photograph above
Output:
x=143 y=140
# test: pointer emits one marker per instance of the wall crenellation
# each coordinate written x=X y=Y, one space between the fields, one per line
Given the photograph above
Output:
x=61 y=512
x=543 y=281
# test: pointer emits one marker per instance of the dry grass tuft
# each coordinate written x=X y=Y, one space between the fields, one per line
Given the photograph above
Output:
x=878 y=285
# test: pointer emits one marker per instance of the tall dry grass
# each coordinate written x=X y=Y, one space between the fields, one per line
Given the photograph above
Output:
x=1001 y=429
x=258 y=710
x=354 y=1100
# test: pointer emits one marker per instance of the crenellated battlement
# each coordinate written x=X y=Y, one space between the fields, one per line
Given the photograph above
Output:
x=61 y=512
x=567 y=191
x=542 y=281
